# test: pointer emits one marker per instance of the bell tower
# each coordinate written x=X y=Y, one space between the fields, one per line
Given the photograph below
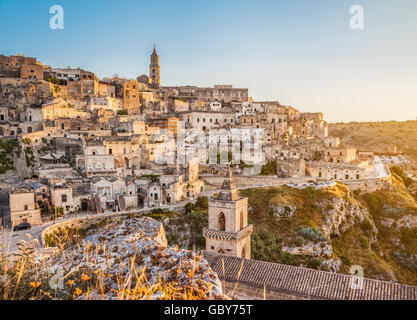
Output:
x=154 y=69
x=228 y=231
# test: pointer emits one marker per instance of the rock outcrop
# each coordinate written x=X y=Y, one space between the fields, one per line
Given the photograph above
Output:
x=135 y=254
x=340 y=215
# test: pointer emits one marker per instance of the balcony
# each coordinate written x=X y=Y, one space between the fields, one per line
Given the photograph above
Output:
x=228 y=236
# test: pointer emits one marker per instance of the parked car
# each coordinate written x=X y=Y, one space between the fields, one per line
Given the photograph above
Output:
x=22 y=226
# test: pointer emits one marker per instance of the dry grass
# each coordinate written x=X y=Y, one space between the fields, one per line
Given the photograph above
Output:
x=30 y=274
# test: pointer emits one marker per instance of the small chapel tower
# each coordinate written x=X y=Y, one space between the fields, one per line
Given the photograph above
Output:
x=154 y=69
x=228 y=231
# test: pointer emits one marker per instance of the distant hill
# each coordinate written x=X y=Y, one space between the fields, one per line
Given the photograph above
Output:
x=384 y=137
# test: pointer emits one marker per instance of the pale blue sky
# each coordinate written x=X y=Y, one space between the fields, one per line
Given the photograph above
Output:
x=301 y=52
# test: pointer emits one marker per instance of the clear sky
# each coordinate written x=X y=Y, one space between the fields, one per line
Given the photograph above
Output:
x=301 y=52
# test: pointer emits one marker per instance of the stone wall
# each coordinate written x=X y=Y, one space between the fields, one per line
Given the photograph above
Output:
x=369 y=185
x=253 y=181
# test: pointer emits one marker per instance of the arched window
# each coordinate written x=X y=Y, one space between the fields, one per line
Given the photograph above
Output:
x=222 y=222
x=241 y=220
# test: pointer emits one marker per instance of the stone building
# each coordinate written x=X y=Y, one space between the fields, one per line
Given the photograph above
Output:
x=23 y=207
x=203 y=120
x=31 y=71
x=61 y=196
x=131 y=99
x=228 y=231
x=340 y=154
x=326 y=171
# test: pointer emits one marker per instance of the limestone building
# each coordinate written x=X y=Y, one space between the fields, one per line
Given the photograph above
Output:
x=23 y=208
x=228 y=231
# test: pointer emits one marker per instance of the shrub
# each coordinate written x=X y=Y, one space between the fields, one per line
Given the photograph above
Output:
x=309 y=192
x=345 y=261
x=270 y=168
x=399 y=172
x=298 y=241
x=7 y=147
x=313 y=234
x=313 y=263
x=366 y=226
x=409 y=239
x=405 y=260
x=356 y=193
x=364 y=242
x=374 y=202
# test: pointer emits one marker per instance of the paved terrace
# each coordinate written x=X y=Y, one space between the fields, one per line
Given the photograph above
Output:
x=302 y=283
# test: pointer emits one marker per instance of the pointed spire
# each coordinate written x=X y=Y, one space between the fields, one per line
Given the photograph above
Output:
x=228 y=183
x=228 y=191
x=154 y=50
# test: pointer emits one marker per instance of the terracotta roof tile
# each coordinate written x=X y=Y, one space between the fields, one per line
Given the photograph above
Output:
x=304 y=282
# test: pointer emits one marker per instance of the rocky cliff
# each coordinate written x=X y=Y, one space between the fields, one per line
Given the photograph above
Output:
x=336 y=228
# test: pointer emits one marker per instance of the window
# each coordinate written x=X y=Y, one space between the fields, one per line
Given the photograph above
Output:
x=26 y=207
x=222 y=222
x=64 y=198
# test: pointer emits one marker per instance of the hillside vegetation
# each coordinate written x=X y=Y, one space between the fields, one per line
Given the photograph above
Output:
x=335 y=228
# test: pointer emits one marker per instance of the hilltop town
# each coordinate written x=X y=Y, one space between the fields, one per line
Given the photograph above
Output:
x=90 y=144
x=74 y=145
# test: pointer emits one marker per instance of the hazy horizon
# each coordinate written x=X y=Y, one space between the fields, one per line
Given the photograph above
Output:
x=301 y=53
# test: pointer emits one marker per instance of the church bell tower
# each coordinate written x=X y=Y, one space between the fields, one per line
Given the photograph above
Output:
x=228 y=231
x=154 y=69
